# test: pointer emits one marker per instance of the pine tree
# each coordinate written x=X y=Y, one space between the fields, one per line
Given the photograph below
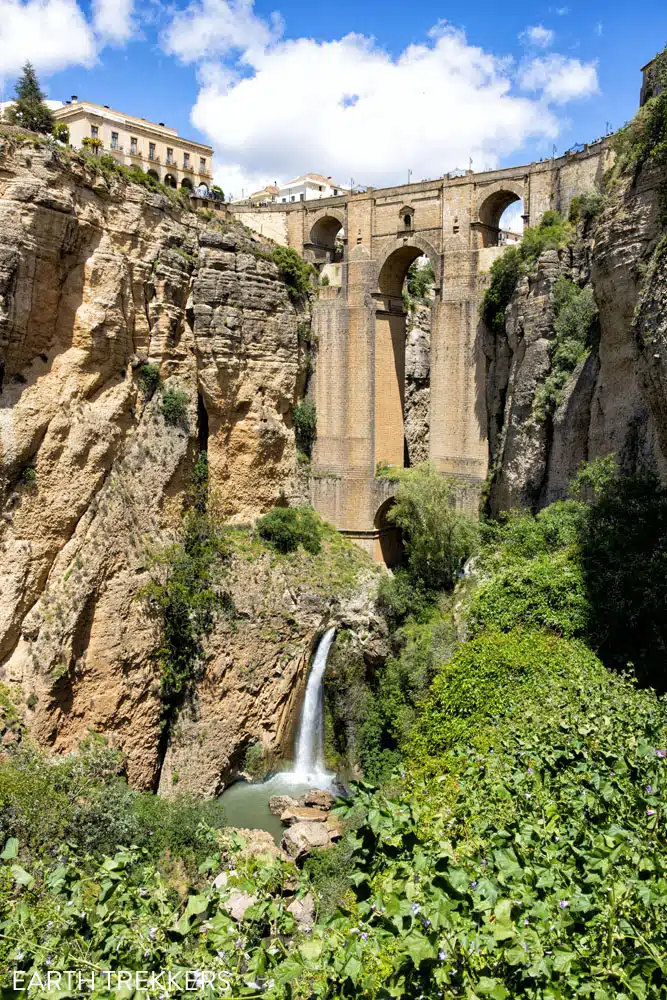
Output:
x=30 y=111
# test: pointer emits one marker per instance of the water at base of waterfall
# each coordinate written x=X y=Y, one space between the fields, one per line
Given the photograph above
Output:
x=247 y=804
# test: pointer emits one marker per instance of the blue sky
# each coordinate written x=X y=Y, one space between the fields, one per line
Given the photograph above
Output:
x=364 y=90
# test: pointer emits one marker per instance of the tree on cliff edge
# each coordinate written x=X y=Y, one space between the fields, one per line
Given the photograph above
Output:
x=30 y=111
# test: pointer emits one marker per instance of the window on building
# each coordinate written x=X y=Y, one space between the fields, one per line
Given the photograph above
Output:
x=133 y=144
x=293 y=198
x=114 y=140
x=186 y=159
x=407 y=220
x=202 y=165
x=284 y=200
x=302 y=197
x=151 y=150
x=320 y=188
x=170 y=155
x=335 y=190
x=94 y=132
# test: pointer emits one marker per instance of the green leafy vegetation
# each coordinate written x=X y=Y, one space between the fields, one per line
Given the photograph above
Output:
x=149 y=379
x=585 y=207
x=287 y=528
x=304 y=416
x=61 y=132
x=28 y=477
x=29 y=110
x=575 y=313
x=294 y=271
x=175 y=408
x=437 y=537
x=552 y=233
x=419 y=281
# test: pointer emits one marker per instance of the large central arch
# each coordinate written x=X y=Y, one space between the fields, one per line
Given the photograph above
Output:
x=390 y=336
x=321 y=244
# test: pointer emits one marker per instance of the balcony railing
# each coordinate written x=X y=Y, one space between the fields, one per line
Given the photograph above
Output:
x=186 y=166
x=118 y=148
x=136 y=152
x=204 y=172
x=153 y=159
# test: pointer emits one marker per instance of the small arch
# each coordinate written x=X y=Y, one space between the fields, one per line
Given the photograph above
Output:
x=407 y=215
x=186 y=183
x=389 y=547
x=202 y=190
x=154 y=174
x=170 y=181
x=325 y=238
x=492 y=209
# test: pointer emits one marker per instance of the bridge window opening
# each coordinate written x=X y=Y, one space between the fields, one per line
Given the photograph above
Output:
x=389 y=544
x=501 y=219
x=407 y=287
x=327 y=241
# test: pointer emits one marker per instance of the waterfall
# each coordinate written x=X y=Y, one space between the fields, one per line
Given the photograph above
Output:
x=309 y=744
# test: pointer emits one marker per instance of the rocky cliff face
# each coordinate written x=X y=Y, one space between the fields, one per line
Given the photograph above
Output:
x=418 y=383
x=616 y=399
x=96 y=278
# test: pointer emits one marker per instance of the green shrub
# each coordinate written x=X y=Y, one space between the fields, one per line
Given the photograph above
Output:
x=419 y=281
x=437 y=538
x=254 y=762
x=324 y=280
x=29 y=109
x=285 y=528
x=493 y=675
x=149 y=379
x=585 y=207
x=623 y=549
x=175 y=408
x=198 y=491
x=184 y=597
x=505 y=274
x=399 y=598
x=28 y=477
x=547 y=591
x=575 y=312
x=294 y=271
x=304 y=416
x=61 y=132
x=520 y=533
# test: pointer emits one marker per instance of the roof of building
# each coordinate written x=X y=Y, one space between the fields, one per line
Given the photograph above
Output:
x=66 y=110
x=317 y=178
x=648 y=64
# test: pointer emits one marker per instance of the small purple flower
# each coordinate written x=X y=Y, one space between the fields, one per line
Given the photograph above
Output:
x=649 y=790
x=530 y=770
x=415 y=907
x=442 y=956
x=563 y=903
x=661 y=753
x=152 y=932
x=364 y=936
x=484 y=862
x=426 y=923
x=650 y=812
x=473 y=884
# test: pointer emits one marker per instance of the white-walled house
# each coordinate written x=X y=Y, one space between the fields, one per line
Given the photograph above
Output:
x=309 y=187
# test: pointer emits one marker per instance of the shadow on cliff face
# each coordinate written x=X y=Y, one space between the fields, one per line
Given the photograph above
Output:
x=624 y=559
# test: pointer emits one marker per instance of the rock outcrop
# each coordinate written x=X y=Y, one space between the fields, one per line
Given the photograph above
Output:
x=98 y=278
x=616 y=399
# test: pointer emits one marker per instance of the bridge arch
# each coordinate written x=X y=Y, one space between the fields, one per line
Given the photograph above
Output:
x=325 y=227
x=393 y=264
x=389 y=543
x=491 y=204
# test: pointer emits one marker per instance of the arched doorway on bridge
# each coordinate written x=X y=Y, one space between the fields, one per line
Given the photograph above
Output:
x=389 y=543
x=501 y=219
x=327 y=240
x=407 y=288
x=170 y=181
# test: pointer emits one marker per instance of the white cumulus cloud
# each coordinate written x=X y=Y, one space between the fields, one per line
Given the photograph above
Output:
x=113 y=20
x=275 y=108
x=537 y=36
x=51 y=34
x=560 y=79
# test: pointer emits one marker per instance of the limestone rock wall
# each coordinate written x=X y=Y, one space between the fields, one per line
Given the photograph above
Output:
x=97 y=277
x=418 y=383
x=616 y=400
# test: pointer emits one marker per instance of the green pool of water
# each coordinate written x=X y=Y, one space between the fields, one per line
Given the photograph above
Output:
x=247 y=805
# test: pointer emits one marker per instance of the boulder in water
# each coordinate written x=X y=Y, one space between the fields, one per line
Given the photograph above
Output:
x=302 y=838
x=303 y=815
x=318 y=798
x=279 y=803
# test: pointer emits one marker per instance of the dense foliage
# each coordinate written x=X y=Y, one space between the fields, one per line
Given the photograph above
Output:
x=286 y=528
x=149 y=379
x=552 y=233
x=294 y=271
x=419 y=280
x=575 y=312
x=29 y=110
x=304 y=416
x=175 y=408
x=437 y=537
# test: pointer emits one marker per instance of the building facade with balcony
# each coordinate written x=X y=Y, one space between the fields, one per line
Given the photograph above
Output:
x=132 y=141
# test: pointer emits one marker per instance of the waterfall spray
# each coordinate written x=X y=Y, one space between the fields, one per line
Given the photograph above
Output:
x=309 y=744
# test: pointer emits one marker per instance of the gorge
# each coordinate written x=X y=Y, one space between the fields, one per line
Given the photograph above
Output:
x=170 y=589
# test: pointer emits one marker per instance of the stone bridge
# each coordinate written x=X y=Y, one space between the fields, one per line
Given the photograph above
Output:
x=360 y=322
